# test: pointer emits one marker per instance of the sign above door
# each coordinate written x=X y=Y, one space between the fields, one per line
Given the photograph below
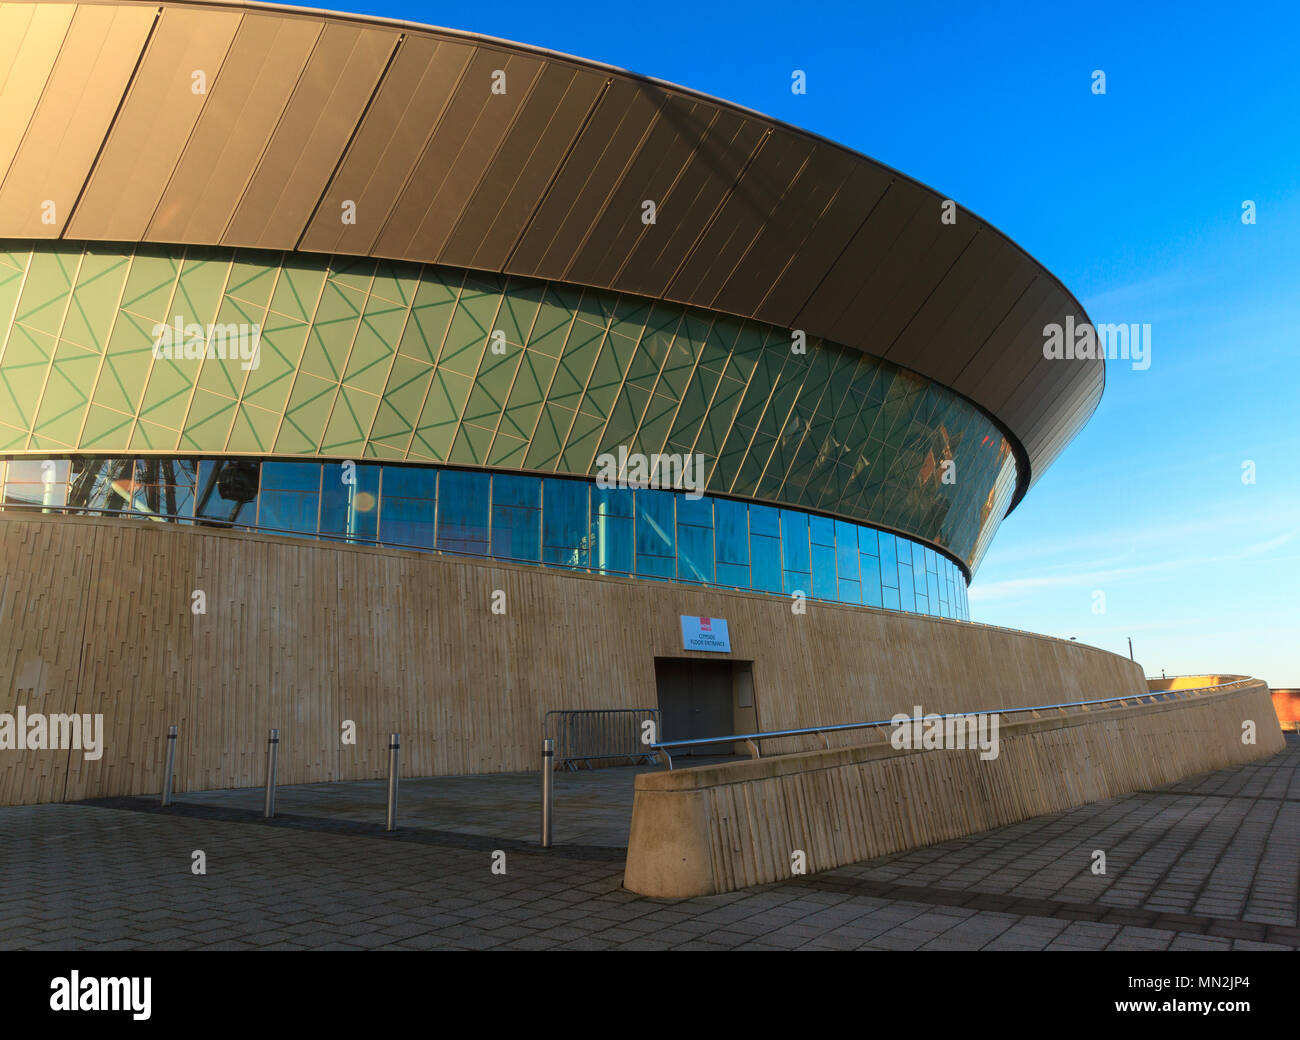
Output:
x=702 y=633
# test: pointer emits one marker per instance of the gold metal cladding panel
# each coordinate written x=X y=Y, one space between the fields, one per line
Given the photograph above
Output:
x=862 y=257
x=30 y=37
x=1033 y=401
x=652 y=178
x=1059 y=379
x=305 y=111
x=908 y=275
x=517 y=180
x=53 y=150
x=615 y=132
x=245 y=102
x=404 y=114
x=979 y=288
x=335 y=87
x=1082 y=399
x=1067 y=425
x=711 y=175
x=815 y=214
x=741 y=222
x=167 y=94
x=1024 y=357
x=458 y=153
x=983 y=371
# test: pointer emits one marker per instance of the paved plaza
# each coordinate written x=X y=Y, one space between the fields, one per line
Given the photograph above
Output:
x=1208 y=863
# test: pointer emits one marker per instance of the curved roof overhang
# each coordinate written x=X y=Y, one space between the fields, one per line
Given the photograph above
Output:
x=250 y=125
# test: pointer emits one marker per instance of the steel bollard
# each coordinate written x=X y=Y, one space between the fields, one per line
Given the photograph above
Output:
x=170 y=771
x=272 y=754
x=394 y=743
x=548 y=789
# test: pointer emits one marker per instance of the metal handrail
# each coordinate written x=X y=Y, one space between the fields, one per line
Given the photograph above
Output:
x=568 y=726
x=751 y=739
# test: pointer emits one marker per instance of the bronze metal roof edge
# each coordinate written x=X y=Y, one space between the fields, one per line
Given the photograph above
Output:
x=1025 y=475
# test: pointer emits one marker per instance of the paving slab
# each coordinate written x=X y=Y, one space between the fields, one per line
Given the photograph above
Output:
x=1208 y=863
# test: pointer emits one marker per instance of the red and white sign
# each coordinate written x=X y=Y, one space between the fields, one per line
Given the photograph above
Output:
x=702 y=633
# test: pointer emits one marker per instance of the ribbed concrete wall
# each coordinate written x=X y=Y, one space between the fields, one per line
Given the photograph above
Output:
x=718 y=828
x=96 y=617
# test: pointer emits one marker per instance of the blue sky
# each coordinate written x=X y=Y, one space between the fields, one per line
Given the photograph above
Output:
x=1133 y=199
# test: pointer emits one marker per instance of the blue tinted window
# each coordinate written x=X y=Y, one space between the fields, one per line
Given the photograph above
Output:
x=867 y=542
x=695 y=511
x=227 y=491
x=871 y=581
x=350 y=510
x=410 y=482
x=798 y=581
x=765 y=520
x=613 y=501
x=515 y=491
x=822 y=529
x=846 y=551
x=463 y=512
x=291 y=476
x=564 y=522
x=823 y=572
x=611 y=543
x=794 y=541
x=733 y=575
x=906 y=590
x=290 y=498
x=732 y=532
x=694 y=553
x=408 y=506
x=766 y=559
x=516 y=518
x=559 y=522
x=888 y=560
x=655 y=541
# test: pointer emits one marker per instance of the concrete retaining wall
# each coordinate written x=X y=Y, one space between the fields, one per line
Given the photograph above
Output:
x=718 y=828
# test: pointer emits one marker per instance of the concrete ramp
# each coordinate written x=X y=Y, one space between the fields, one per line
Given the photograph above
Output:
x=724 y=827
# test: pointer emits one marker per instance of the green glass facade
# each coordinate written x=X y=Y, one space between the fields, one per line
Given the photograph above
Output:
x=376 y=360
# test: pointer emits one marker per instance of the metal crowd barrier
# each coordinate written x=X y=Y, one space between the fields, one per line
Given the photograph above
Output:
x=751 y=740
x=586 y=738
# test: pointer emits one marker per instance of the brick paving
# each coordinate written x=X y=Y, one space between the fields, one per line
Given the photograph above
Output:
x=1212 y=862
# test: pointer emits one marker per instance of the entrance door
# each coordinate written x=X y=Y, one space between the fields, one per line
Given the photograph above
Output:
x=695 y=700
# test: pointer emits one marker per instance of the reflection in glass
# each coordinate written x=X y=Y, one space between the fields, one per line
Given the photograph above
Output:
x=227 y=491
x=36 y=482
x=349 y=501
x=290 y=497
x=558 y=522
x=655 y=543
x=564 y=523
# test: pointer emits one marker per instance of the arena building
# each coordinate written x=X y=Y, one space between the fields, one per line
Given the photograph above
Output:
x=328 y=344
